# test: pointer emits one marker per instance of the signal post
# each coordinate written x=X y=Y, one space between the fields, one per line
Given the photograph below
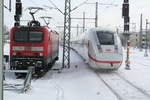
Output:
x=1 y=48
x=125 y=15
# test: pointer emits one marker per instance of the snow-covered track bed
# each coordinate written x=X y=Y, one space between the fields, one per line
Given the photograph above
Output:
x=121 y=87
x=110 y=88
x=138 y=88
x=148 y=66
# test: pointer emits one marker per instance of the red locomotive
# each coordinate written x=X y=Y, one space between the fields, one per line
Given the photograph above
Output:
x=33 y=45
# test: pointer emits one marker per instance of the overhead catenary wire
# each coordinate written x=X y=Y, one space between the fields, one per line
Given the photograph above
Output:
x=56 y=6
x=79 y=5
x=76 y=7
x=8 y=8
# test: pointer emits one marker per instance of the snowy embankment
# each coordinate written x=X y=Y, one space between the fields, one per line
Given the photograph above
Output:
x=129 y=84
x=72 y=84
x=140 y=70
x=81 y=83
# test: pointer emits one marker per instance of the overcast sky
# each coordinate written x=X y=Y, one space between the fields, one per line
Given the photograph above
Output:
x=108 y=16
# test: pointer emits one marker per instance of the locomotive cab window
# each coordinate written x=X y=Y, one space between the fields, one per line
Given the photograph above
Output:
x=28 y=36
x=35 y=36
x=20 y=36
x=105 y=38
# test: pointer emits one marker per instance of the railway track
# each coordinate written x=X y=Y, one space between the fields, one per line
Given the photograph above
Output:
x=110 y=88
x=120 y=86
x=139 y=89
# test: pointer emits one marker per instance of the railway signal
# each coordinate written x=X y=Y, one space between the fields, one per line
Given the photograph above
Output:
x=126 y=27
x=18 y=8
x=18 y=13
x=141 y=34
x=125 y=15
x=126 y=1
x=126 y=19
x=125 y=9
x=146 y=39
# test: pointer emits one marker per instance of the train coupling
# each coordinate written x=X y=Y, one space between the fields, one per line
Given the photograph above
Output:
x=111 y=64
x=38 y=63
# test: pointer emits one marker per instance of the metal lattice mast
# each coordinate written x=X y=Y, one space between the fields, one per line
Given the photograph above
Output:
x=96 y=15
x=141 y=34
x=67 y=32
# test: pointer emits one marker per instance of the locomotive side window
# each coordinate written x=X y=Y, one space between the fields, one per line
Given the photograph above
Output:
x=105 y=38
x=20 y=36
x=35 y=36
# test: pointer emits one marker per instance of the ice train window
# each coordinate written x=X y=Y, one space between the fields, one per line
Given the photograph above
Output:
x=105 y=38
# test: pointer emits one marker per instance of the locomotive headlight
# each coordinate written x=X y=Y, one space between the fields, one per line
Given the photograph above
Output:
x=37 y=48
x=41 y=54
x=19 y=48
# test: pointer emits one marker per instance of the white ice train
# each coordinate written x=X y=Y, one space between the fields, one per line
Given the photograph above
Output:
x=101 y=47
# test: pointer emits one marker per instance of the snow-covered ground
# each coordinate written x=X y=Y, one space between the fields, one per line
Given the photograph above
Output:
x=82 y=83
